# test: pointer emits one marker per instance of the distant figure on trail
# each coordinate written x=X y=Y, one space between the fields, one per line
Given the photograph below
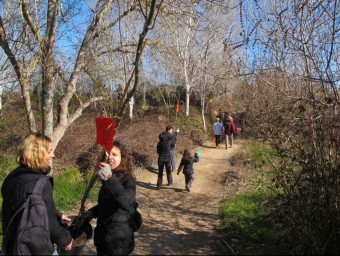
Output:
x=224 y=120
x=217 y=129
x=242 y=120
x=230 y=131
x=186 y=164
x=220 y=115
x=225 y=117
x=163 y=150
x=113 y=234
x=34 y=158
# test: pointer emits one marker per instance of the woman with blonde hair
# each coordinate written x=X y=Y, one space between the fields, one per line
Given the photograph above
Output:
x=34 y=158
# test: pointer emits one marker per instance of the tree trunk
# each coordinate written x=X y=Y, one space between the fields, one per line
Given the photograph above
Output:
x=187 y=102
x=131 y=103
x=21 y=79
x=47 y=99
x=48 y=68
x=202 y=110
x=0 y=99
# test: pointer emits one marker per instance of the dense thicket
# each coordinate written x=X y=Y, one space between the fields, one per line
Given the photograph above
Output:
x=292 y=99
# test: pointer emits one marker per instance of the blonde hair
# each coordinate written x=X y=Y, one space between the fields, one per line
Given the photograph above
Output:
x=33 y=150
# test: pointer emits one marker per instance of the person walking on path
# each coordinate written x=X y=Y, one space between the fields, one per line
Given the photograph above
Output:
x=34 y=158
x=224 y=120
x=217 y=129
x=163 y=150
x=113 y=234
x=230 y=131
x=186 y=164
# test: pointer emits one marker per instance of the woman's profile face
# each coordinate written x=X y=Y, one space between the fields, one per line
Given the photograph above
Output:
x=115 y=158
x=49 y=155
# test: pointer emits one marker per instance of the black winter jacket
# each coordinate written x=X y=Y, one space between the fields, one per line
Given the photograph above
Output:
x=14 y=188
x=163 y=147
x=113 y=234
x=187 y=164
x=173 y=141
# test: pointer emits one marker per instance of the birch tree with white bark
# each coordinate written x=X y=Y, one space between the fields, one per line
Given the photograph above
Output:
x=178 y=34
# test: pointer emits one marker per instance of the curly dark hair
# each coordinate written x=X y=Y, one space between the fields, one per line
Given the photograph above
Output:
x=126 y=165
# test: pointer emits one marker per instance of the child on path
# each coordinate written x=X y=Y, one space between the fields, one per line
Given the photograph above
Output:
x=217 y=128
x=186 y=164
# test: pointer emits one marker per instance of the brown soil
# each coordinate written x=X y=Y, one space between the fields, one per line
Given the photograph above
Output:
x=176 y=222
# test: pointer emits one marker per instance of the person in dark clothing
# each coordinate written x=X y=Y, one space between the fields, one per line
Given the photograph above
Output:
x=186 y=164
x=113 y=234
x=34 y=157
x=173 y=139
x=163 y=150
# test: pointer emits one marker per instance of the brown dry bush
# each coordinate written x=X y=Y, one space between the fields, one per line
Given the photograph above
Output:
x=140 y=136
x=305 y=131
x=75 y=149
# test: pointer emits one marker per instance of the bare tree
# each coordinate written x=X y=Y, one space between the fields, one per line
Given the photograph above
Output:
x=7 y=81
x=293 y=85
x=32 y=35
x=215 y=64
x=178 y=41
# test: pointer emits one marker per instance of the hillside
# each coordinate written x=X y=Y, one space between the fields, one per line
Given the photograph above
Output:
x=140 y=135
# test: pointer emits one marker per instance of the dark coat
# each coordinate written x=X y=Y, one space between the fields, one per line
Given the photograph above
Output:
x=113 y=234
x=173 y=141
x=14 y=188
x=187 y=164
x=163 y=147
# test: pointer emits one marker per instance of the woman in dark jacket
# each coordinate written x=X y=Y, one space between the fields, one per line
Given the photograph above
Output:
x=113 y=234
x=35 y=156
x=186 y=164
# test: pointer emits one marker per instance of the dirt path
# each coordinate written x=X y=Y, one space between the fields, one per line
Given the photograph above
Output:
x=176 y=222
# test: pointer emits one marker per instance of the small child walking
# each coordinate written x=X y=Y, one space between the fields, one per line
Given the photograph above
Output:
x=186 y=164
x=217 y=129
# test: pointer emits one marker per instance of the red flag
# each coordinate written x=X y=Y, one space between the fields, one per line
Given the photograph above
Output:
x=178 y=108
x=105 y=129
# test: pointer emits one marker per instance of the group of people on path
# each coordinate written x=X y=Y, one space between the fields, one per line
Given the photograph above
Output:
x=167 y=159
x=224 y=126
x=114 y=211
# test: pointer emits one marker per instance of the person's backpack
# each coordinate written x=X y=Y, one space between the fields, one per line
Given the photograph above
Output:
x=28 y=231
x=136 y=219
x=227 y=126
